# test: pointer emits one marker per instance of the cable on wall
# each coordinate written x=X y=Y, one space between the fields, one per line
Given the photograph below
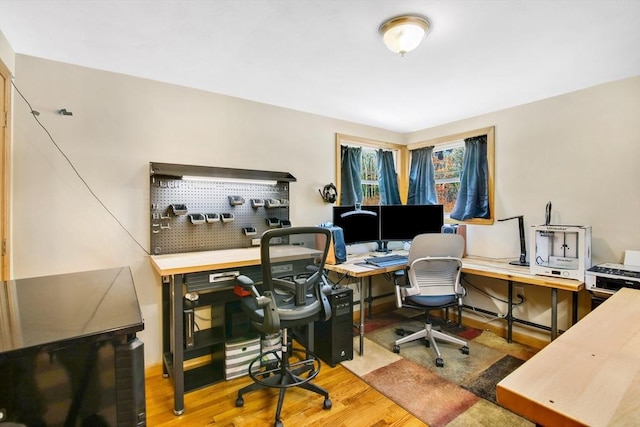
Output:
x=95 y=196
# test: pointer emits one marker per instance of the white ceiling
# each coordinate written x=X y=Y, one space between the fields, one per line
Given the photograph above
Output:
x=326 y=57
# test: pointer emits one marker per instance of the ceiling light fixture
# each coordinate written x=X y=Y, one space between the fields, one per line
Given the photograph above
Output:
x=403 y=34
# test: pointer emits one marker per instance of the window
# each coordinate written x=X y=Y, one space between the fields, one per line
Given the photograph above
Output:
x=369 y=166
x=448 y=155
x=369 y=176
x=447 y=163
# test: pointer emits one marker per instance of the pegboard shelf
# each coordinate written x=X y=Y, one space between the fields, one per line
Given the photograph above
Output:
x=197 y=215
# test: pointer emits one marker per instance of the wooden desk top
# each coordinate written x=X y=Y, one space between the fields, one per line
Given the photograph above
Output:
x=590 y=375
x=488 y=267
x=193 y=262
x=501 y=269
x=356 y=266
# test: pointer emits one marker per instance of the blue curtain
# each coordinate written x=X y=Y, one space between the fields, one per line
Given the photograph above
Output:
x=387 y=179
x=473 y=195
x=422 y=186
x=350 y=181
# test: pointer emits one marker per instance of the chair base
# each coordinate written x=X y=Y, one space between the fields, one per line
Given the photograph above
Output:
x=431 y=335
x=274 y=369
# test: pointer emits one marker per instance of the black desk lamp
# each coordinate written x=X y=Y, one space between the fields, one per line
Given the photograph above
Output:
x=523 y=246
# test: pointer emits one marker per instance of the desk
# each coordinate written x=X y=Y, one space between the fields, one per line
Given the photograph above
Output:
x=589 y=376
x=175 y=270
x=487 y=267
x=501 y=269
x=60 y=337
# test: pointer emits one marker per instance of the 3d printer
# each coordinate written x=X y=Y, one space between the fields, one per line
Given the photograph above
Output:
x=560 y=250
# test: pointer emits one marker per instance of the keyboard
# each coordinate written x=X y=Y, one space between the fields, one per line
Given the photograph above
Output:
x=387 y=260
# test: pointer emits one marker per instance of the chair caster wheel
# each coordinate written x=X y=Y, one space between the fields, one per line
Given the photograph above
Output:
x=400 y=332
x=396 y=349
x=239 y=402
x=465 y=350
x=327 y=404
x=439 y=362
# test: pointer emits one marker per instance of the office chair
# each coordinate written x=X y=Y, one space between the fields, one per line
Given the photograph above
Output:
x=433 y=282
x=294 y=293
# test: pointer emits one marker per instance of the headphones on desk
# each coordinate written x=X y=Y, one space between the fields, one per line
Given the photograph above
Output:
x=329 y=193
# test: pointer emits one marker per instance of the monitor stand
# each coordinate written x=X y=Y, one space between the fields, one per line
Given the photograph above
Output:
x=382 y=246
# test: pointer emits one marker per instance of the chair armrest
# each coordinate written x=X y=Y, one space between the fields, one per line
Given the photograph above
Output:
x=248 y=285
x=271 y=323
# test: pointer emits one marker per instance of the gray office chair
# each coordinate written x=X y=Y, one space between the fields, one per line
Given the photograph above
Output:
x=432 y=283
x=294 y=293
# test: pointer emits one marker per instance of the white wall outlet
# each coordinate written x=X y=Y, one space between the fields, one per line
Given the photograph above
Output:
x=255 y=242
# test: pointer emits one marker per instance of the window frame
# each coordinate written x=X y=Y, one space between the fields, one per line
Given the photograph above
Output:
x=448 y=139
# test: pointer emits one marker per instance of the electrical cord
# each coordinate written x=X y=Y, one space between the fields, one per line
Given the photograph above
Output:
x=95 y=196
x=485 y=293
x=488 y=319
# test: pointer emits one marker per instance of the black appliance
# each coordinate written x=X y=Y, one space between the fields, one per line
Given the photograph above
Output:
x=333 y=338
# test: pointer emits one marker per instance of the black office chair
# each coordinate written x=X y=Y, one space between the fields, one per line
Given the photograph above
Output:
x=294 y=293
x=433 y=283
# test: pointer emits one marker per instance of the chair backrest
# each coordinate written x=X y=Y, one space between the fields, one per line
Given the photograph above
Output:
x=293 y=273
x=434 y=264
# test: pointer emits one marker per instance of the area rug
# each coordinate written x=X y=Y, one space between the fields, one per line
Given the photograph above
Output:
x=462 y=393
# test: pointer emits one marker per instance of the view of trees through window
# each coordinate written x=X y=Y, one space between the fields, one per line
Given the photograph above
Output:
x=370 y=187
x=448 y=167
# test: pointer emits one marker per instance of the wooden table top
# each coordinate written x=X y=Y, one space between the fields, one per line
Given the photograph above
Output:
x=193 y=262
x=501 y=269
x=488 y=267
x=590 y=375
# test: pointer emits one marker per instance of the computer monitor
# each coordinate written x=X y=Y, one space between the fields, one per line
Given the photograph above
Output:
x=358 y=225
x=404 y=222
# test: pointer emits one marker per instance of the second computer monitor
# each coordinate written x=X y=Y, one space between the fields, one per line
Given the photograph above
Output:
x=404 y=222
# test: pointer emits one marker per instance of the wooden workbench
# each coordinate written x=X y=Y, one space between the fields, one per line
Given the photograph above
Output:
x=589 y=376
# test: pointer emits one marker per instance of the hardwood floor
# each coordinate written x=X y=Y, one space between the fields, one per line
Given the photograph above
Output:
x=355 y=404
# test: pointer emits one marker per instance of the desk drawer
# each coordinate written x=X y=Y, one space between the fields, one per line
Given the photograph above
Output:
x=215 y=280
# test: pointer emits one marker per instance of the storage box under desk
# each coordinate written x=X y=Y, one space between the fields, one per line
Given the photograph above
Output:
x=238 y=354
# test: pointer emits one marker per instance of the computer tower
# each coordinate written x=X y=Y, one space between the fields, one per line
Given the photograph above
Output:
x=333 y=339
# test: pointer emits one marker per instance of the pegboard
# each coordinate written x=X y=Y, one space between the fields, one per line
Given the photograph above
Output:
x=176 y=206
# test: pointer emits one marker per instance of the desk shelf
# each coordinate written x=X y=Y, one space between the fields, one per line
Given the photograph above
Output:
x=204 y=374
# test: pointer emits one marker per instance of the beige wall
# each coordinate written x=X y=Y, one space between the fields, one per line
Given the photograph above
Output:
x=119 y=125
x=579 y=151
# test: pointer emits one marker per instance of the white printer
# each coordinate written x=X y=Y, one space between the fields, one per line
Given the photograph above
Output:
x=608 y=278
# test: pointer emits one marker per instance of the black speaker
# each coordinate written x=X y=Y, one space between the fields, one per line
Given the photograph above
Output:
x=130 y=394
x=333 y=338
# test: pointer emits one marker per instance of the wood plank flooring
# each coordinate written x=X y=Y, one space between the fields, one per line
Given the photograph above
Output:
x=355 y=404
